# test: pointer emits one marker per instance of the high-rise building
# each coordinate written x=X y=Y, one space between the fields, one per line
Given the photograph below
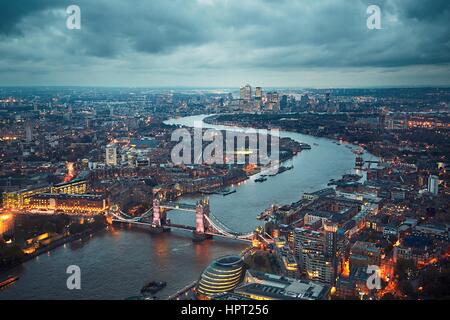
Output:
x=68 y=112
x=273 y=101
x=327 y=98
x=304 y=102
x=111 y=155
x=273 y=97
x=246 y=93
x=433 y=185
x=283 y=102
x=306 y=241
x=316 y=254
x=28 y=132
x=258 y=93
x=330 y=232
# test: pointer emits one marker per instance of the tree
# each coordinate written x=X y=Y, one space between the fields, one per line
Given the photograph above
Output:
x=435 y=282
x=10 y=255
x=404 y=268
x=406 y=287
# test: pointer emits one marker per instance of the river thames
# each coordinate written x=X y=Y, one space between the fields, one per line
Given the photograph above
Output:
x=115 y=264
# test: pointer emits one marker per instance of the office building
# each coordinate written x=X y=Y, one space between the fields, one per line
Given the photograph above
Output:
x=315 y=250
x=284 y=102
x=17 y=200
x=76 y=186
x=69 y=203
x=273 y=101
x=304 y=102
x=258 y=93
x=265 y=286
x=28 y=132
x=246 y=93
x=433 y=185
x=364 y=254
x=222 y=275
x=111 y=155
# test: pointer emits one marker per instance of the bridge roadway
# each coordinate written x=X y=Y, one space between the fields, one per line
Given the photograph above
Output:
x=171 y=225
x=181 y=227
x=178 y=206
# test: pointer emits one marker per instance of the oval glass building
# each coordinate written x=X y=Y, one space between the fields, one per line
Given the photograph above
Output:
x=222 y=275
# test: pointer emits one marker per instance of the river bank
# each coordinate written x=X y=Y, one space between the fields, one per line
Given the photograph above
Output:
x=215 y=120
x=53 y=245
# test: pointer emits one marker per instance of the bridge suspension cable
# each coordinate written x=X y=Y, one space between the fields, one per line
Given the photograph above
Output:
x=122 y=216
x=224 y=230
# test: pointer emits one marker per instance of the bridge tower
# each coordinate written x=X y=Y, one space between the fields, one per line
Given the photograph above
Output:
x=156 y=213
x=201 y=225
x=201 y=210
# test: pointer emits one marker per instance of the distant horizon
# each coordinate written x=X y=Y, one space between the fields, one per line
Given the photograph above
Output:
x=228 y=87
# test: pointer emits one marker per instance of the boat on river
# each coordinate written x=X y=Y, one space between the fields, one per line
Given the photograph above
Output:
x=266 y=214
x=359 y=151
x=228 y=192
x=281 y=170
x=9 y=281
x=153 y=287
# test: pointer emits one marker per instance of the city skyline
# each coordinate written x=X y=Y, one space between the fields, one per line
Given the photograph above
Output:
x=207 y=43
x=225 y=151
x=360 y=185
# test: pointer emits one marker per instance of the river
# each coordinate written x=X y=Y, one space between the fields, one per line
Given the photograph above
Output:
x=116 y=264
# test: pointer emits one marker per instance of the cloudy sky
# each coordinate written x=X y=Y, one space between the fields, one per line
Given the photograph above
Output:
x=213 y=43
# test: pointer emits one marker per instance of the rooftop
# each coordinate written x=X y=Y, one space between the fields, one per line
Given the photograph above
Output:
x=282 y=288
x=68 y=196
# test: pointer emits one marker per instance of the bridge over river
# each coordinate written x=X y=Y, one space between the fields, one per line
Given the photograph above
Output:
x=206 y=224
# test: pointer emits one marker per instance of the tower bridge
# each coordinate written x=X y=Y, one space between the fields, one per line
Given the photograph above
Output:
x=206 y=224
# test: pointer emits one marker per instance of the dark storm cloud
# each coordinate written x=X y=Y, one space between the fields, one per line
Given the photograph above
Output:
x=424 y=10
x=330 y=33
x=190 y=35
x=112 y=27
x=13 y=11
